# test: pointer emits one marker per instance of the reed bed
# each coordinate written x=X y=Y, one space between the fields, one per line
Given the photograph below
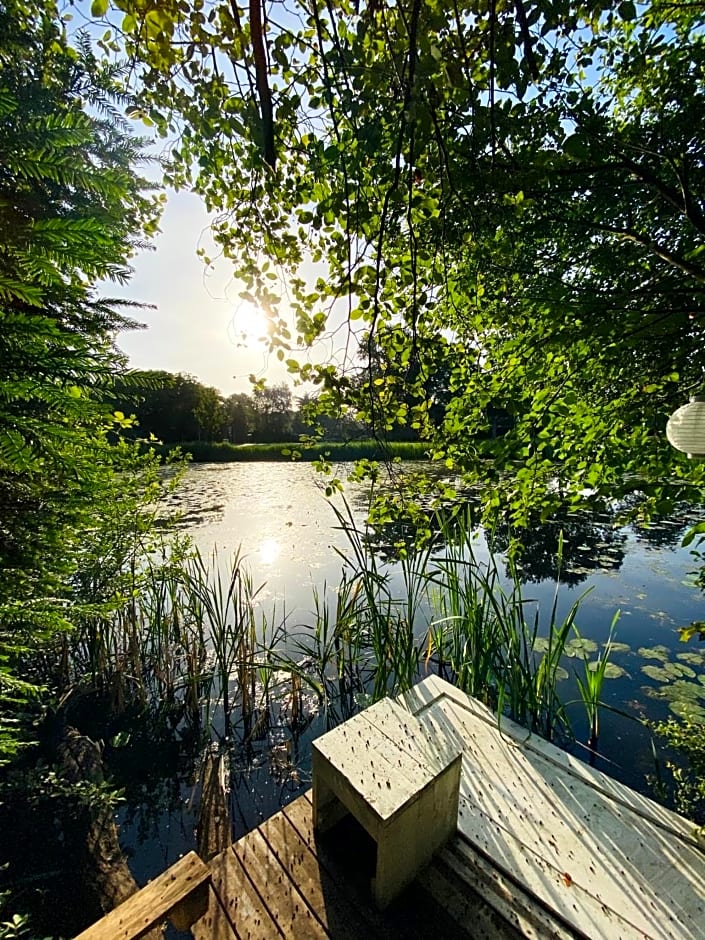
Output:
x=188 y=636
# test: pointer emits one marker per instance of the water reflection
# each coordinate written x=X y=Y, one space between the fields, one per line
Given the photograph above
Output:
x=293 y=544
x=269 y=551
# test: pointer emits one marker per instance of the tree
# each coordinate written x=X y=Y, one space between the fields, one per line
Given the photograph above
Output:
x=174 y=408
x=507 y=194
x=73 y=210
x=240 y=417
x=272 y=409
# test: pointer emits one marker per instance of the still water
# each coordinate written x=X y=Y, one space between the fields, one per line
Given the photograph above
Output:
x=279 y=517
x=289 y=535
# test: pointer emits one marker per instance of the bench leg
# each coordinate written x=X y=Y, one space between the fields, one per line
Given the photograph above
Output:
x=327 y=808
x=409 y=840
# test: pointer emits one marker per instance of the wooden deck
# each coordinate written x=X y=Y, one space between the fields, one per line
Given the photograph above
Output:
x=546 y=847
x=282 y=880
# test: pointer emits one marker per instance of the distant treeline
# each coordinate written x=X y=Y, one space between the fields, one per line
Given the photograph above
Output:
x=335 y=451
x=177 y=408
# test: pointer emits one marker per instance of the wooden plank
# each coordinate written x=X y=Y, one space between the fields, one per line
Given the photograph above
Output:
x=412 y=739
x=247 y=914
x=465 y=907
x=601 y=863
x=293 y=851
x=500 y=893
x=214 y=925
x=416 y=914
x=152 y=904
x=428 y=692
x=643 y=876
x=280 y=896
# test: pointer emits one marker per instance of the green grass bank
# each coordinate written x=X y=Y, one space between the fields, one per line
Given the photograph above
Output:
x=335 y=451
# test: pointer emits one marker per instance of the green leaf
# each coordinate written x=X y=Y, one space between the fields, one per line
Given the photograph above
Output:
x=576 y=147
x=99 y=8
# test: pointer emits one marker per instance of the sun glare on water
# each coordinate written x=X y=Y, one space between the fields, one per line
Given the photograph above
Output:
x=248 y=324
x=269 y=551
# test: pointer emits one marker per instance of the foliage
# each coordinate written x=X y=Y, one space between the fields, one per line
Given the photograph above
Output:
x=175 y=408
x=326 y=450
x=504 y=197
x=680 y=681
x=172 y=407
x=687 y=738
x=73 y=211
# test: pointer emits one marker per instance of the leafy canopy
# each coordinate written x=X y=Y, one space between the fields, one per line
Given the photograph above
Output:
x=503 y=195
x=72 y=211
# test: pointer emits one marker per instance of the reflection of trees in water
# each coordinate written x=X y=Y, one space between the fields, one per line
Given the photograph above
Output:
x=666 y=533
x=592 y=541
x=590 y=544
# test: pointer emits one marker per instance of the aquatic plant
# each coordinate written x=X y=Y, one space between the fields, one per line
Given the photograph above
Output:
x=590 y=685
x=485 y=640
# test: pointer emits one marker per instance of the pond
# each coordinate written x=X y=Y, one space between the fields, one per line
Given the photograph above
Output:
x=293 y=545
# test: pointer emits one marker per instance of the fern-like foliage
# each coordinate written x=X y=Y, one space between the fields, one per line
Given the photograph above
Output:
x=73 y=210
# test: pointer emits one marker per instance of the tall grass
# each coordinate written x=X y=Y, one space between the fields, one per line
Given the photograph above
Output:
x=188 y=637
x=453 y=613
x=185 y=638
x=590 y=687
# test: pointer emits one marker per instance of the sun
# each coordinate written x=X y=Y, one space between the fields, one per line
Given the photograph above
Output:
x=248 y=324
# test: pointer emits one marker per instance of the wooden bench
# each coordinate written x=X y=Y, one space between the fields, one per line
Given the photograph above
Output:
x=400 y=783
x=180 y=894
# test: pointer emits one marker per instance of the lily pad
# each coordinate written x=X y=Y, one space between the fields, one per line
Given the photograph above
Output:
x=688 y=691
x=612 y=670
x=561 y=673
x=656 y=672
x=697 y=659
x=676 y=670
x=654 y=652
x=580 y=646
x=540 y=644
x=618 y=647
x=688 y=710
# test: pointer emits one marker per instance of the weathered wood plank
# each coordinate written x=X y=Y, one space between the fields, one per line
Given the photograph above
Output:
x=330 y=905
x=349 y=898
x=645 y=877
x=245 y=910
x=481 y=921
x=280 y=896
x=214 y=925
x=499 y=893
x=153 y=903
x=416 y=914
x=426 y=693
x=606 y=862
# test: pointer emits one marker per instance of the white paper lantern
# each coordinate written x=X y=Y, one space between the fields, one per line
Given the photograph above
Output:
x=686 y=428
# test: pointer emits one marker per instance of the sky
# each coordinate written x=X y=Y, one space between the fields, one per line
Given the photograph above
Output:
x=199 y=325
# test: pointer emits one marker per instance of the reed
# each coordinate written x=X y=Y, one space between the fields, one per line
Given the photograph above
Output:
x=590 y=687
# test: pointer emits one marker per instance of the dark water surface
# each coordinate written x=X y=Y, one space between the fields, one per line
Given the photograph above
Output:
x=288 y=533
